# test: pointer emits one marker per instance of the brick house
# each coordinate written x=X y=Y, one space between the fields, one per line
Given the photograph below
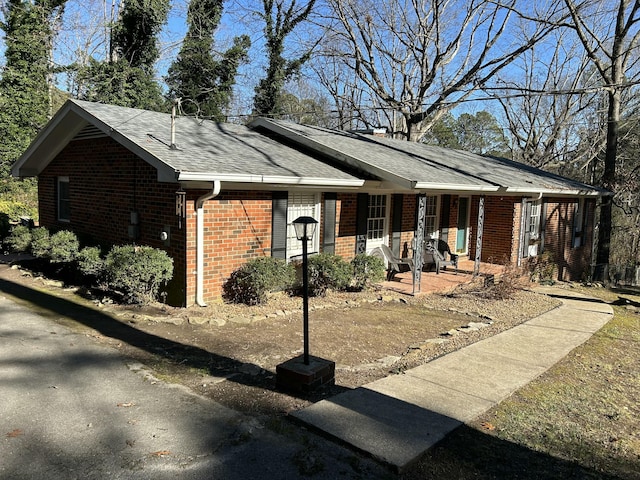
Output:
x=215 y=195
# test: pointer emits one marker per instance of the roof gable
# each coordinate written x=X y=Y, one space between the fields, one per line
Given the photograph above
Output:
x=204 y=150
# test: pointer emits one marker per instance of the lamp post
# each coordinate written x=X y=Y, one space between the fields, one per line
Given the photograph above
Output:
x=305 y=228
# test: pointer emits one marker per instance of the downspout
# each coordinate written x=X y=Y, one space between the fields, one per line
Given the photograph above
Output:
x=200 y=241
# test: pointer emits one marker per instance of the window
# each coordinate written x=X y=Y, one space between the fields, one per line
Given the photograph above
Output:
x=64 y=199
x=302 y=204
x=376 y=222
x=431 y=218
x=534 y=220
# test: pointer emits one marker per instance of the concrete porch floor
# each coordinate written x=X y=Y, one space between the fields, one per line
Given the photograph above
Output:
x=445 y=281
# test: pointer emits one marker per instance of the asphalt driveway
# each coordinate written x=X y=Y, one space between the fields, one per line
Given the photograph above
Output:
x=71 y=408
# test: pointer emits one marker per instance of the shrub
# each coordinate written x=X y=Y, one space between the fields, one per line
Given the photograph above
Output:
x=250 y=283
x=543 y=268
x=19 y=240
x=328 y=271
x=90 y=262
x=40 y=242
x=512 y=280
x=137 y=272
x=16 y=210
x=63 y=246
x=367 y=269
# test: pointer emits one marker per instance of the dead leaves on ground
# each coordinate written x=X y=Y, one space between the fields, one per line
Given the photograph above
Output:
x=15 y=433
x=161 y=453
x=488 y=426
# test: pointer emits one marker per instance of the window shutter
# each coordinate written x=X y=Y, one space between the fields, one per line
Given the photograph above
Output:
x=279 y=224
x=396 y=225
x=543 y=225
x=362 y=214
x=526 y=227
x=329 y=227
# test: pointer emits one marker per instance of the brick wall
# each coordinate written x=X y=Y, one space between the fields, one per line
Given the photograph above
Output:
x=346 y=206
x=237 y=227
x=573 y=262
x=501 y=224
x=106 y=184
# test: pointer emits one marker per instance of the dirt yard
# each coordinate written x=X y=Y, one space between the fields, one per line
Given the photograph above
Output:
x=230 y=352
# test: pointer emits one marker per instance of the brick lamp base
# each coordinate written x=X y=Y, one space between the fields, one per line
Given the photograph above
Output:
x=294 y=375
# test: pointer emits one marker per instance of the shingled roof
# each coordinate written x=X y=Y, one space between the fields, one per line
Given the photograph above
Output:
x=276 y=152
x=417 y=166
x=204 y=150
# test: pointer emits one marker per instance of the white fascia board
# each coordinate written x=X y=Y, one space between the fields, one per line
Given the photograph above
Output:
x=554 y=193
x=50 y=141
x=269 y=179
x=458 y=188
x=333 y=182
x=333 y=153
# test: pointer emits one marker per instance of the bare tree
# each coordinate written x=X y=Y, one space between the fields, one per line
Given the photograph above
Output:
x=545 y=97
x=422 y=57
x=612 y=50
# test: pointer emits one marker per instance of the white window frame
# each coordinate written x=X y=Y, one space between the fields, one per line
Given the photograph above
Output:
x=60 y=213
x=379 y=222
x=534 y=219
x=302 y=204
x=433 y=202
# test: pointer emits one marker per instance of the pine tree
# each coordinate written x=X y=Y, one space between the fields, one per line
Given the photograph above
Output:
x=127 y=77
x=25 y=83
x=203 y=83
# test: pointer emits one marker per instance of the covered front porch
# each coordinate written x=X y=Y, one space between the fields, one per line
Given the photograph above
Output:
x=443 y=282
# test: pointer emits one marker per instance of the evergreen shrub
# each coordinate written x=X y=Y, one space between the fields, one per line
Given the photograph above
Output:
x=137 y=272
x=90 y=262
x=19 y=240
x=328 y=271
x=367 y=269
x=40 y=242
x=63 y=247
x=250 y=283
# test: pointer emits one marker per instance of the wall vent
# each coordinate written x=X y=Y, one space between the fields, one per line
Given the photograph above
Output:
x=88 y=132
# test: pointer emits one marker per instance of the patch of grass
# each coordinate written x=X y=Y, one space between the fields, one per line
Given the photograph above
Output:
x=578 y=420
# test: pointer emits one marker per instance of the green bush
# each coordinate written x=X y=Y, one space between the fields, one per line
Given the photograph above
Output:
x=367 y=269
x=40 y=242
x=137 y=272
x=19 y=240
x=90 y=262
x=328 y=271
x=63 y=247
x=250 y=283
x=16 y=210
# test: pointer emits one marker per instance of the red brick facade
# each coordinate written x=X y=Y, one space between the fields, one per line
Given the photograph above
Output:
x=107 y=183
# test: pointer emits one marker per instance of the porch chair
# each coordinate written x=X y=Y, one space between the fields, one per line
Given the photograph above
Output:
x=393 y=263
x=436 y=252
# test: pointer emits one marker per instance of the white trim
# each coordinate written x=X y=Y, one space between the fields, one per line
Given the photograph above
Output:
x=294 y=246
x=311 y=181
x=436 y=231
x=385 y=228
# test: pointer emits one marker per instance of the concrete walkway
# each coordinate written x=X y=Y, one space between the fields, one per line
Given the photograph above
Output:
x=398 y=418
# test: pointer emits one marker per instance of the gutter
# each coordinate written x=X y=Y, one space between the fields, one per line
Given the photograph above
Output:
x=215 y=190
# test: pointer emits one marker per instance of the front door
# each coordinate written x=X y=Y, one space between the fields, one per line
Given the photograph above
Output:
x=462 y=237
